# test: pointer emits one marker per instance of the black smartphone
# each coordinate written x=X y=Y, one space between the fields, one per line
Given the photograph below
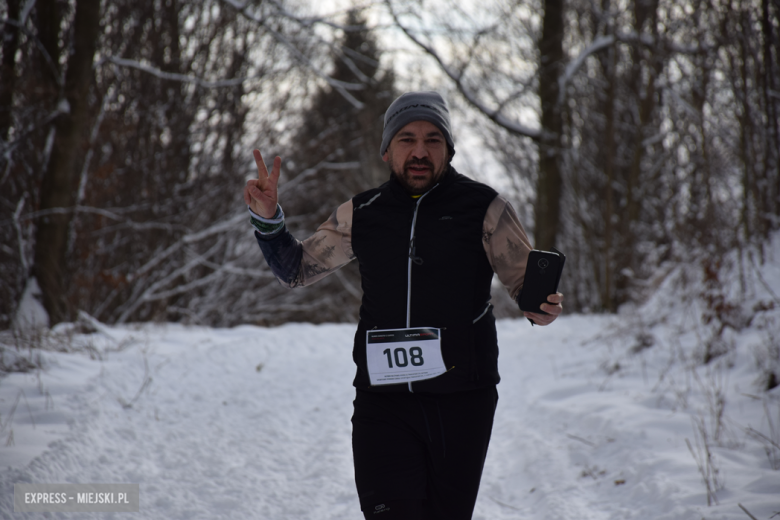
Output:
x=542 y=274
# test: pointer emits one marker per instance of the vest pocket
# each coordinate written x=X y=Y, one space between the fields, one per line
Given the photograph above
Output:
x=457 y=348
x=472 y=349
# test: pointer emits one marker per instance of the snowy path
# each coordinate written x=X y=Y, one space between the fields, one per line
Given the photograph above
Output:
x=213 y=437
x=254 y=423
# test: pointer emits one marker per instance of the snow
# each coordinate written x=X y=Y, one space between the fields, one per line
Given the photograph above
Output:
x=31 y=314
x=594 y=421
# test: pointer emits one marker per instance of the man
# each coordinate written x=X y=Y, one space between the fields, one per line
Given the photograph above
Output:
x=428 y=242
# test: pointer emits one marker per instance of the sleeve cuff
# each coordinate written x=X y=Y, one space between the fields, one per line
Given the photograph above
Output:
x=267 y=226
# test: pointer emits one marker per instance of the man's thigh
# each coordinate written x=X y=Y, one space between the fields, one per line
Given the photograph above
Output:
x=428 y=450
x=388 y=450
x=458 y=458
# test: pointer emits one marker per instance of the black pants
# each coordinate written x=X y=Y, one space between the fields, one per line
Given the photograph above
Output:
x=421 y=456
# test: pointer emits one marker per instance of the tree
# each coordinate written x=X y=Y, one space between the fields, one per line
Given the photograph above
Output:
x=8 y=67
x=660 y=118
x=549 y=184
x=144 y=149
x=60 y=182
x=654 y=124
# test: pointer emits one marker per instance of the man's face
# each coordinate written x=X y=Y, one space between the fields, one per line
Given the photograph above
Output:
x=417 y=156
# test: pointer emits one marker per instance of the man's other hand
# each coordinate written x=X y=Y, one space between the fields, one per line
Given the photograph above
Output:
x=261 y=194
x=553 y=308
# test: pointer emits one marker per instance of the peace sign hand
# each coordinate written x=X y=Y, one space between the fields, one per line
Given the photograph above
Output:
x=261 y=194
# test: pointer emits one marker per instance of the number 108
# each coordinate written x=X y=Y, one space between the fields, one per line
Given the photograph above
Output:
x=402 y=358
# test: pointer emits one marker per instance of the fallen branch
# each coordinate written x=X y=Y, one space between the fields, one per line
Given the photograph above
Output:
x=747 y=512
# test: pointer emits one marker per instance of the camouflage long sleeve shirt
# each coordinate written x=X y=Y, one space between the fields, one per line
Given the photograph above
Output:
x=301 y=263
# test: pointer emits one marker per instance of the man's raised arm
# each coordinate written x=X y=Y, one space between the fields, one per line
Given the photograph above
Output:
x=295 y=263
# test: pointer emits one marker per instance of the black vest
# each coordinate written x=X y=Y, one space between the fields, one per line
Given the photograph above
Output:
x=450 y=276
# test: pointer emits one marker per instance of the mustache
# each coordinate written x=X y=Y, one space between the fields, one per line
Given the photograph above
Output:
x=419 y=162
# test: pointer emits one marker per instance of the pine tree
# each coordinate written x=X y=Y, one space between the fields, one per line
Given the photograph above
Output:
x=336 y=136
x=335 y=155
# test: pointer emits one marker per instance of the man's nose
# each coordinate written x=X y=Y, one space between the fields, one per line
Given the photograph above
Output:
x=419 y=151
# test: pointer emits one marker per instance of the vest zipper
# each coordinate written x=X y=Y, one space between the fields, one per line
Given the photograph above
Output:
x=416 y=260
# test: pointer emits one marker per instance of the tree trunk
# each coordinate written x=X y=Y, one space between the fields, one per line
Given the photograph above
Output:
x=48 y=22
x=61 y=178
x=647 y=67
x=770 y=87
x=8 y=69
x=549 y=183
x=607 y=299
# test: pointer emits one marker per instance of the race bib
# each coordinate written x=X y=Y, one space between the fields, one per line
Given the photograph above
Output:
x=403 y=355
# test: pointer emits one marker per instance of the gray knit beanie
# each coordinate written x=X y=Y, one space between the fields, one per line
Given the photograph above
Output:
x=417 y=106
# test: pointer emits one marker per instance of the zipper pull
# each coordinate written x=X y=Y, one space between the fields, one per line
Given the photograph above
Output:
x=413 y=253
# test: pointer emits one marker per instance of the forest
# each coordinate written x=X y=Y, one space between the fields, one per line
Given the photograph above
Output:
x=634 y=135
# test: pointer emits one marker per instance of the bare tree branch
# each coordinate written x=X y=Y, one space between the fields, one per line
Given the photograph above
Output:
x=219 y=227
x=148 y=294
x=172 y=75
x=342 y=87
x=104 y=213
x=7 y=147
x=324 y=19
x=20 y=235
x=49 y=62
x=494 y=115
x=573 y=66
x=26 y=11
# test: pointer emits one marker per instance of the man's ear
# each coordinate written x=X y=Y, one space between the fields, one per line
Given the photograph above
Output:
x=386 y=157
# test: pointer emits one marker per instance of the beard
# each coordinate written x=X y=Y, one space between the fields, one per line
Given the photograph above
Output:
x=418 y=186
